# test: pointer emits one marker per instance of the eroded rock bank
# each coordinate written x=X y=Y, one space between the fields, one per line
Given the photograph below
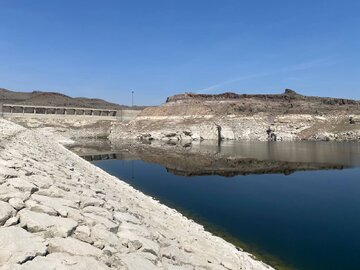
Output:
x=58 y=211
x=184 y=130
x=282 y=117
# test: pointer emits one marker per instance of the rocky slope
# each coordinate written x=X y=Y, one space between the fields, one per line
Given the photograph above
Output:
x=58 y=211
x=288 y=116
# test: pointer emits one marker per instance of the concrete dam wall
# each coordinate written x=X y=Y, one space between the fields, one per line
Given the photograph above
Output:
x=68 y=121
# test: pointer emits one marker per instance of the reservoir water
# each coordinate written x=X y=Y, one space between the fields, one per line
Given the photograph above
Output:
x=295 y=205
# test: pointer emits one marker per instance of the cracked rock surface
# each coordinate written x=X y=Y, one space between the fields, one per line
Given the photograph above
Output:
x=57 y=211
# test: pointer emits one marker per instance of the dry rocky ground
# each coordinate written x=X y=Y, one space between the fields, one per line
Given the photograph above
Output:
x=58 y=211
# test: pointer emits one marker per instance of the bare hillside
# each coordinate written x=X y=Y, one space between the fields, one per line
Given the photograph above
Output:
x=56 y=99
x=224 y=104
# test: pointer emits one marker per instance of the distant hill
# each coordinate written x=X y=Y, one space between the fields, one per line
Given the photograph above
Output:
x=57 y=99
x=288 y=102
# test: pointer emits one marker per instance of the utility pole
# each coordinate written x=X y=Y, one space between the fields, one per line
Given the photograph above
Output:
x=132 y=98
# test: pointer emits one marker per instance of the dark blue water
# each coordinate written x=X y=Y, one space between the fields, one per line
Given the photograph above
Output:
x=305 y=220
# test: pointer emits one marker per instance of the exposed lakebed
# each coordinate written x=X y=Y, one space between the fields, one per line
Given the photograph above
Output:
x=295 y=204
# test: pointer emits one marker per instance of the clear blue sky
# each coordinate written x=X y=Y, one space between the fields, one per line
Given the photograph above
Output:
x=106 y=48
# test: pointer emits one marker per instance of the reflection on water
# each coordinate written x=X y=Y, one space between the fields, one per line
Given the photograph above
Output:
x=308 y=219
x=231 y=158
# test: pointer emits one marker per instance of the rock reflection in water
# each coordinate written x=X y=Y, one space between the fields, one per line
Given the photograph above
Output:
x=230 y=158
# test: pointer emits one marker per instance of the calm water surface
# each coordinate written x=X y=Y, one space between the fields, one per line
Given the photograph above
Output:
x=297 y=205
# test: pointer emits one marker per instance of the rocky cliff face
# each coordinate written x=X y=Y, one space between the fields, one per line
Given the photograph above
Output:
x=288 y=116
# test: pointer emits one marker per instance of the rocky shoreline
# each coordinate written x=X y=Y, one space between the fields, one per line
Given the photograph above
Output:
x=58 y=211
x=282 y=117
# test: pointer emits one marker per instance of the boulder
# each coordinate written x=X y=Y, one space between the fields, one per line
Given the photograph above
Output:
x=38 y=222
x=93 y=219
x=17 y=203
x=73 y=246
x=8 y=192
x=6 y=211
x=63 y=261
x=35 y=207
x=134 y=261
x=83 y=233
x=22 y=185
x=11 y=221
x=18 y=246
x=62 y=206
x=98 y=211
x=126 y=217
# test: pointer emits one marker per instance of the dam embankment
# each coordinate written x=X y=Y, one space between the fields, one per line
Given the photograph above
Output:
x=57 y=210
x=86 y=123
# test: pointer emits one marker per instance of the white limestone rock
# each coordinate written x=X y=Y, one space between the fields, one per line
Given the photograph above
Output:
x=40 y=181
x=37 y=222
x=83 y=233
x=22 y=185
x=17 y=245
x=61 y=205
x=100 y=232
x=35 y=207
x=11 y=221
x=17 y=203
x=73 y=246
x=8 y=192
x=127 y=238
x=135 y=262
x=99 y=211
x=121 y=217
x=63 y=261
x=90 y=201
x=6 y=211
x=93 y=219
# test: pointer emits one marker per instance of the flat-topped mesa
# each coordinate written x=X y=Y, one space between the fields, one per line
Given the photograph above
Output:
x=231 y=96
x=288 y=94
